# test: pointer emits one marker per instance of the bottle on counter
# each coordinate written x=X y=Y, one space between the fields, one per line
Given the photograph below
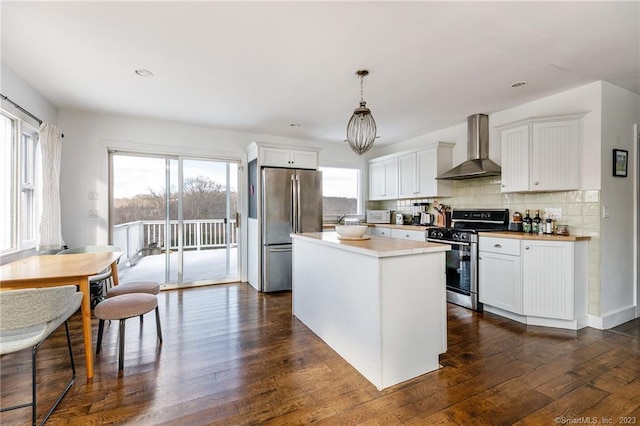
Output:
x=527 y=223
x=548 y=227
x=536 y=224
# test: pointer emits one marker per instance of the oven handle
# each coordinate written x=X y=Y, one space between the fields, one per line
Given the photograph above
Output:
x=453 y=243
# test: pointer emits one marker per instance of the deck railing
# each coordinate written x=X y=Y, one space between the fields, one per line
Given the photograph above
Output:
x=148 y=236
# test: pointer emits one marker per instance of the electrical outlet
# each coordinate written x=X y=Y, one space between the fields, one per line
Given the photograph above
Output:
x=93 y=213
x=553 y=213
x=93 y=195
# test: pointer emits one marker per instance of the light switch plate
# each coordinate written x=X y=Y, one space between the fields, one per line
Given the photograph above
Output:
x=553 y=213
x=93 y=213
x=93 y=195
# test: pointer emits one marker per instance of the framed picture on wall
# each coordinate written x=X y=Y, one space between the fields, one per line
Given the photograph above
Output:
x=620 y=162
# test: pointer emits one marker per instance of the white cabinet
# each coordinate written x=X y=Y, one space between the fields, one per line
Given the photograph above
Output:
x=543 y=282
x=541 y=154
x=499 y=273
x=550 y=278
x=281 y=157
x=417 y=172
x=381 y=232
x=407 y=234
x=383 y=179
x=407 y=176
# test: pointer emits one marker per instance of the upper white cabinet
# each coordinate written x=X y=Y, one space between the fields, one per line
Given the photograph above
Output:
x=407 y=173
x=383 y=179
x=293 y=158
x=416 y=174
x=541 y=154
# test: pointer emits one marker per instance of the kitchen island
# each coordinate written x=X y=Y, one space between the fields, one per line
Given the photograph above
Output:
x=380 y=303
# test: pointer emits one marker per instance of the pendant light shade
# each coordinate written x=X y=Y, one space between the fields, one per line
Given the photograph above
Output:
x=361 y=130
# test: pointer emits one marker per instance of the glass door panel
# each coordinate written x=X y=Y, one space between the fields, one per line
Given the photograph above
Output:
x=175 y=219
x=209 y=203
x=139 y=206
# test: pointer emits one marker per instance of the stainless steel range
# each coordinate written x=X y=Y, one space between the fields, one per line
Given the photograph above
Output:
x=462 y=260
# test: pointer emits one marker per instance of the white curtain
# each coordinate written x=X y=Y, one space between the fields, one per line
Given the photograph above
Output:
x=50 y=235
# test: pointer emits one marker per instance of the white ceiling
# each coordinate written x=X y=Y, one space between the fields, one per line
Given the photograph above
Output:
x=259 y=66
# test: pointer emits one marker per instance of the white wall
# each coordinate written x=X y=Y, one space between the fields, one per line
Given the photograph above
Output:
x=620 y=112
x=16 y=89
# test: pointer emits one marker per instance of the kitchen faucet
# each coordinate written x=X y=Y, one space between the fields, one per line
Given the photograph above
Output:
x=341 y=217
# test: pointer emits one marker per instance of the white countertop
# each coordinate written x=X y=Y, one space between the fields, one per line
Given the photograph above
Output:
x=374 y=246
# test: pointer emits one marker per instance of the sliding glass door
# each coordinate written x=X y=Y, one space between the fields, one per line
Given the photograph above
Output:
x=174 y=218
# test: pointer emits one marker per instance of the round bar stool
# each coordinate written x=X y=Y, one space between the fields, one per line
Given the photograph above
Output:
x=121 y=308
x=149 y=287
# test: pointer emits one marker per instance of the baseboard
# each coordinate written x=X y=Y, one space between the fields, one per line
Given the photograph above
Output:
x=612 y=320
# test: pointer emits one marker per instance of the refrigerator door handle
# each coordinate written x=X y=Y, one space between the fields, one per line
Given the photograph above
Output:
x=294 y=205
x=298 y=204
x=279 y=250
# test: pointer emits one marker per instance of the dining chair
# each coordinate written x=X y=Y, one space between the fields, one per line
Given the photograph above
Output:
x=122 y=308
x=27 y=318
x=96 y=282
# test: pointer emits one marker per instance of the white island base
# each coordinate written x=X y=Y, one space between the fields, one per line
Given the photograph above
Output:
x=379 y=303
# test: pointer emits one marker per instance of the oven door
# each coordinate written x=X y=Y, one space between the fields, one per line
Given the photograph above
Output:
x=460 y=268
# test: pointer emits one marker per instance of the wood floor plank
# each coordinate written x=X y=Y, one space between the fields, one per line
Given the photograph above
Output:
x=233 y=356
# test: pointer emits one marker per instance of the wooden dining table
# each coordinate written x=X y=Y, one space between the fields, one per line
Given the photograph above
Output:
x=56 y=270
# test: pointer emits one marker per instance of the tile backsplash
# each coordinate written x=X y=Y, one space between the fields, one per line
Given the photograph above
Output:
x=580 y=211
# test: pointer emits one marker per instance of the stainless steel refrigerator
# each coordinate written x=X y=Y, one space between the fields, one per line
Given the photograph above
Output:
x=291 y=203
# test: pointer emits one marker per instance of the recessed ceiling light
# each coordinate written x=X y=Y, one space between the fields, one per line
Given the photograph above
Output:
x=519 y=84
x=144 y=72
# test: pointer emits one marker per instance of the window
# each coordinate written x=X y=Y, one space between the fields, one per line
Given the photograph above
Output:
x=17 y=183
x=340 y=191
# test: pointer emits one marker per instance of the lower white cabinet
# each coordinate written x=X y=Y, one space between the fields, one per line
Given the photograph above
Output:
x=550 y=272
x=500 y=283
x=381 y=232
x=542 y=282
x=406 y=234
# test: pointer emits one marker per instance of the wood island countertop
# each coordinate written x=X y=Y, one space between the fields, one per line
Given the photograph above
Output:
x=374 y=246
x=523 y=236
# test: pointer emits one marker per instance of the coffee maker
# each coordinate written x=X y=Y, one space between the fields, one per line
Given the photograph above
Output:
x=421 y=215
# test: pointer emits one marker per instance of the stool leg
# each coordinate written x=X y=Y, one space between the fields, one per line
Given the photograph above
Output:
x=141 y=319
x=158 y=329
x=121 y=351
x=100 y=330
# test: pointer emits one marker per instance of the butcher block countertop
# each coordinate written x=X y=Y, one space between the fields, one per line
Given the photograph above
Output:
x=328 y=226
x=523 y=236
x=374 y=246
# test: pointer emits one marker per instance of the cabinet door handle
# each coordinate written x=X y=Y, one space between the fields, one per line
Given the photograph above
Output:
x=407 y=236
x=497 y=245
x=536 y=183
x=526 y=248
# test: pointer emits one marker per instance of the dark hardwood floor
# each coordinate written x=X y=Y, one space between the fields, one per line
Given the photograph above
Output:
x=232 y=356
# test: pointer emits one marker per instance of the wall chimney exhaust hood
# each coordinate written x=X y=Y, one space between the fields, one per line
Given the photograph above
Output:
x=478 y=163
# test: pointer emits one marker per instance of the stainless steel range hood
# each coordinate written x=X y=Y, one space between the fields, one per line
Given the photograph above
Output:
x=478 y=164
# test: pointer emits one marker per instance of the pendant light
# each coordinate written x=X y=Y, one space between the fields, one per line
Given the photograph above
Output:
x=361 y=130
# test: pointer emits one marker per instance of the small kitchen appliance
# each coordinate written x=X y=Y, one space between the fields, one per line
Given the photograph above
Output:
x=418 y=212
x=379 y=216
x=426 y=219
x=399 y=219
x=462 y=260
